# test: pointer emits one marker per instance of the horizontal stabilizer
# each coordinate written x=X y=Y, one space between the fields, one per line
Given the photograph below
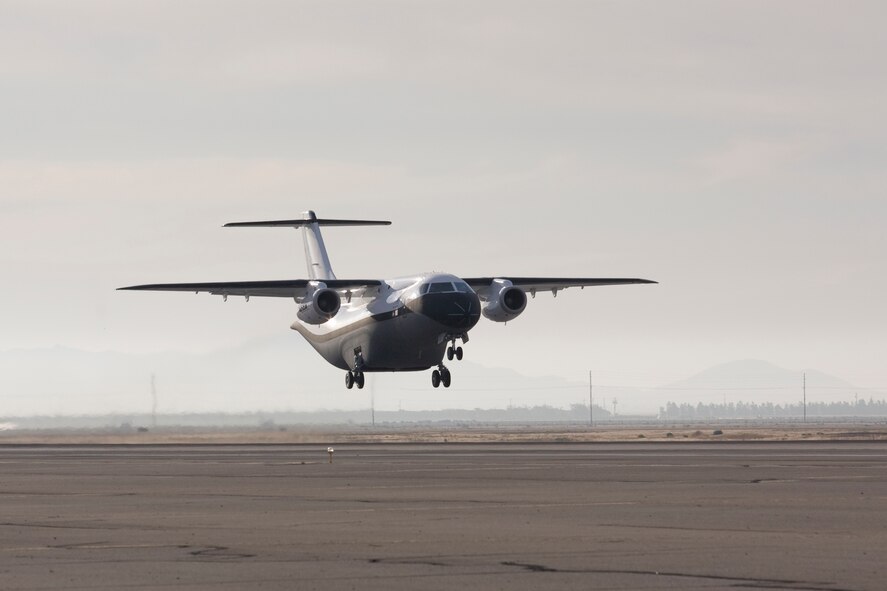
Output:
x=300 y=223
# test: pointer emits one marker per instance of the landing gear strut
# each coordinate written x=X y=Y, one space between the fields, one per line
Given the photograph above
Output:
x=441 y=376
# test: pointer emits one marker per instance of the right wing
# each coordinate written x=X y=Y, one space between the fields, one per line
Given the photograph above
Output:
x=481 y=285
x=287 y=288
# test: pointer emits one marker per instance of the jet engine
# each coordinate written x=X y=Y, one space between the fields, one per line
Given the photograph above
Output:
x=505 y=302
x=319 y=306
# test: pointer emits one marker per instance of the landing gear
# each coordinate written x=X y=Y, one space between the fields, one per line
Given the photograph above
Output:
x=441 y=376
x=454 y=351
x=353 y=378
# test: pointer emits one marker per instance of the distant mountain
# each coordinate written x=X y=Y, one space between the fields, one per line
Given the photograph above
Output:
x=753 y=380
x=746 y=380
x=752 y=373
x=281 y=373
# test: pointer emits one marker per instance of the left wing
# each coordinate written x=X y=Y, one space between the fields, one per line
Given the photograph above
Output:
x=287 y=288
x=481 y=285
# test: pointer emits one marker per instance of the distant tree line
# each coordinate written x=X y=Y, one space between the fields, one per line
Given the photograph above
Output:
x=753 y=410
x=131 y=422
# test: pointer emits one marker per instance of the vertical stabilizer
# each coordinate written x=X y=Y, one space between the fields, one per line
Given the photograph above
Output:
x=319 y=266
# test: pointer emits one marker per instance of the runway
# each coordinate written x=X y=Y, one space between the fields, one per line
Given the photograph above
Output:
x=442 y=516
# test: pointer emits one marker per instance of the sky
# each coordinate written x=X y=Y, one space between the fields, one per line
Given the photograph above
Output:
x=732 y=151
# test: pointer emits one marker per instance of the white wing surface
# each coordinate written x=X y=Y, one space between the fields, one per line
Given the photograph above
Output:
x=532 y=285
x=287 y=288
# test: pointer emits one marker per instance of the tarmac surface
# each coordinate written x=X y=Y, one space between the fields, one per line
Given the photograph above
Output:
x=808 y=515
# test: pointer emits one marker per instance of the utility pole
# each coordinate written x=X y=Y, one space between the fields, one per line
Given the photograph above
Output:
x=614 y=407
x=373 y=401
x=590 y=402
x=805 y=397
x=153 y=403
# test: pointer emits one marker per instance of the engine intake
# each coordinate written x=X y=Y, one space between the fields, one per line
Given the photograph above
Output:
x=321 y=305
x=508 y=302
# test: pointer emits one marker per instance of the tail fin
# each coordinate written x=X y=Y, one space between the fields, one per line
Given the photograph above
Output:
x=319 y=267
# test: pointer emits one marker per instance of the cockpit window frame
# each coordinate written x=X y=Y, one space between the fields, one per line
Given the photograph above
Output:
x=462 y=287
x=441 y=287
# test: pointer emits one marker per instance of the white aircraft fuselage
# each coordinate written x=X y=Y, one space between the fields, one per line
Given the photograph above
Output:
x=394 y=327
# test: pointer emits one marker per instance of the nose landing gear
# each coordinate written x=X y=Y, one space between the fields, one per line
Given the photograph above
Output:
x=453 y=350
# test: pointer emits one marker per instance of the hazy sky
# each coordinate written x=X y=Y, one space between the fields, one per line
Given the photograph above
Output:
x=733 y=151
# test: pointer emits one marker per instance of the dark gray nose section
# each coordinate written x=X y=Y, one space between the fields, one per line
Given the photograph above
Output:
x=454 y=310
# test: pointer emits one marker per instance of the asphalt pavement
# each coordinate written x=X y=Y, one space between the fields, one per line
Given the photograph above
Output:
x=808 y=515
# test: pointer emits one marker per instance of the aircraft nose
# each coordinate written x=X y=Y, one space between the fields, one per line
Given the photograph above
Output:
x=453 y=310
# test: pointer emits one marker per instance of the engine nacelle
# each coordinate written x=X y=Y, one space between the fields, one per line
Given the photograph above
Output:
x=505 y=303
x=319 y=305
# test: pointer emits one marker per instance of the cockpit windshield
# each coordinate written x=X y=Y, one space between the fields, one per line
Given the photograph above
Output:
x=441 y=287
x=444 y=287
x=462 y=286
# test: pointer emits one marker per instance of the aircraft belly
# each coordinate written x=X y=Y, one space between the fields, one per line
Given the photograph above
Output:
x=400 y=342
x=405 y=342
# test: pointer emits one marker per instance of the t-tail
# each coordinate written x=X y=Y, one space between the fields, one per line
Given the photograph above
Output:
x=319 y=267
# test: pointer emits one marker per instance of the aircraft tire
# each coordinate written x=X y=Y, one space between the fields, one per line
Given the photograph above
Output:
x=445 y=378
x=349 y=380
x=359 y=380
x=450 y=353
x=435 y=378
x=459 y=353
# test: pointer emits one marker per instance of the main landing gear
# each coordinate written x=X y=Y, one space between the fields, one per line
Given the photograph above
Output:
x=355 y=376
x=352 y=378
x=441 y=376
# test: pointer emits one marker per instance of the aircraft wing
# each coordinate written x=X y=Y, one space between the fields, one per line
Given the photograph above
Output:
x=287 y=288
x=481 y=285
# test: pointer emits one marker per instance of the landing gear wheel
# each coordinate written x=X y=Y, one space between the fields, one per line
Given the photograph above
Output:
x=459 y=353
x=349 y=380
x=358 y=379
x=435 y=378
x=445 y=378
x=450 y=353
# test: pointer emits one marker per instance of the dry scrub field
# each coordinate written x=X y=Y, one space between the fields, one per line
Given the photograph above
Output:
x=302 y=434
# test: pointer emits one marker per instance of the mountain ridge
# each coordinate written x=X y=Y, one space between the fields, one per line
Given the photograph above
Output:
x=282 y=373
